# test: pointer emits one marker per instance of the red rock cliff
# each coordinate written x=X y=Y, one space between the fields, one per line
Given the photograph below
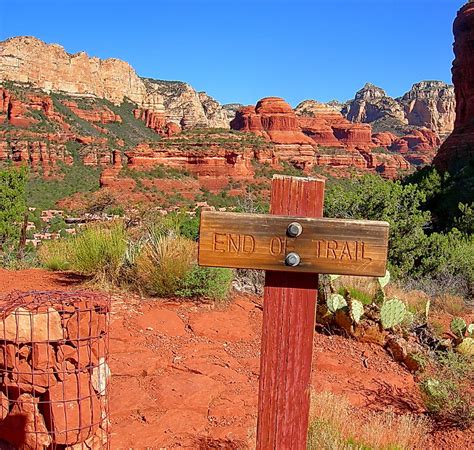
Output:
x=458 y=149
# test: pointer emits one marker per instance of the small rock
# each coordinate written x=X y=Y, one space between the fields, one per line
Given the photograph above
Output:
x=7 y=356
x=72 y=410
x=23 y=326
x=100 y=377
x=24 y=427
x=43 y=356
x=4 y=406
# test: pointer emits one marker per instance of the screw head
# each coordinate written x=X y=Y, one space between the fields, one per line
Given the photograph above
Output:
x=292 y=259
x=294 y=229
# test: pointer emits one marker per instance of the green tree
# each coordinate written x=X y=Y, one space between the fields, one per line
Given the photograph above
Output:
x=373 y=198
x=12 y=203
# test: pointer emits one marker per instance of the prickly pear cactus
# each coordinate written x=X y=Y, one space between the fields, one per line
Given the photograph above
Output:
x=466 y=347
x=383 y=281
x=470 y=329
x=408 y=319
x=357 y=310
x=458 y=326
x=335 y=302
x=392 y=313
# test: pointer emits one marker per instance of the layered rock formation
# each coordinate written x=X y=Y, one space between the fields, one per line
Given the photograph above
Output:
x=50 y=68
x=458 y=150
x=428 y=104
x=272 y=118
x=186 y=107
x=370 y=104
x=275 y=120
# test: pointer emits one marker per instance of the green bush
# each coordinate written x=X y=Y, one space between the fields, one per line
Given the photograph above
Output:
x=99 y=252
x=12 y=203
x=206 y=282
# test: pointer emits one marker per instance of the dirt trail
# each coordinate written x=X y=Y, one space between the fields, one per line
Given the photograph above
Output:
x=186 y=375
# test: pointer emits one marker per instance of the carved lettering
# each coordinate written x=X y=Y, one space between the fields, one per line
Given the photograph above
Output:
x=346 y=251
x=364 y=258
x=219 y=239
x=276 y=246
x=341 y=250
x=233 y=243
x=331 y=246
x=249 y=244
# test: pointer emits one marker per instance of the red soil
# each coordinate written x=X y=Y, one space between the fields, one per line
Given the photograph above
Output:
x=186 y=375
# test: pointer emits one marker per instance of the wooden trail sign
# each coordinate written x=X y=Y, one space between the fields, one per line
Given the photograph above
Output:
x=293 y=247
x=258 y=241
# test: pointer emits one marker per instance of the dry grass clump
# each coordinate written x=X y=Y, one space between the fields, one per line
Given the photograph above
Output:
x=453 y=305
x=334 y=425
x=55 y=255
x=163 y=262
x=415 y=300
x=98 y=251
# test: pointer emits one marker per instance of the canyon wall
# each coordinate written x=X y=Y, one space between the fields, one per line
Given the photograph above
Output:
x=458 y=150
x=49 y=67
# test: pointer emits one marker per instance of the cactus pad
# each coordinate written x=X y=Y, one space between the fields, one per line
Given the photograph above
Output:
x=466 y=347
x=470 y=329
x=392 y=313
x=357 y=310
x=383 y=281
x=458 y=326
x=335 y=302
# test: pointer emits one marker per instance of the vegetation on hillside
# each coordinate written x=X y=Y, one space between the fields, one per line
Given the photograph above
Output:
x=157 y=258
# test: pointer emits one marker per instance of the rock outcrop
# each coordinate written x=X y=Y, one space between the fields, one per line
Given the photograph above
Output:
x=275 y=120
x=458 y=150
x=50 y=68
x=186 y=107
x=430 y=104
x=272 y=118
x=370 y=104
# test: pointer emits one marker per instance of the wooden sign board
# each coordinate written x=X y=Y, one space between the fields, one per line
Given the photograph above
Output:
x=258 y=241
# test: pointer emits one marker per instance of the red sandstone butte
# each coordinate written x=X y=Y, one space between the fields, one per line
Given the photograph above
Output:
x=272 y=118
x=458 y=149
x=275 y=120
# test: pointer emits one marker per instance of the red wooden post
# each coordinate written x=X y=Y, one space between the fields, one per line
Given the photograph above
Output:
x=288 y=328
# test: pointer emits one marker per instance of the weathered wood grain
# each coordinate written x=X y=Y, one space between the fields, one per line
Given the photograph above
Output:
x=287 y=334
x=258 y=241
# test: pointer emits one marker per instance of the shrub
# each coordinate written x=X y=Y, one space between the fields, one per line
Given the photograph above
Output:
x=99 y=252
x=207 y=282
x=446 y=390
x=163 y=263
x=55 y=255
x=447 y=403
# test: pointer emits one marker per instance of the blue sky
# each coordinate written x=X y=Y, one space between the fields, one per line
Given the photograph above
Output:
x=243 y=50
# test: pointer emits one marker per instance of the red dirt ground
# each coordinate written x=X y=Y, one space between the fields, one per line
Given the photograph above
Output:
x=185 y=375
